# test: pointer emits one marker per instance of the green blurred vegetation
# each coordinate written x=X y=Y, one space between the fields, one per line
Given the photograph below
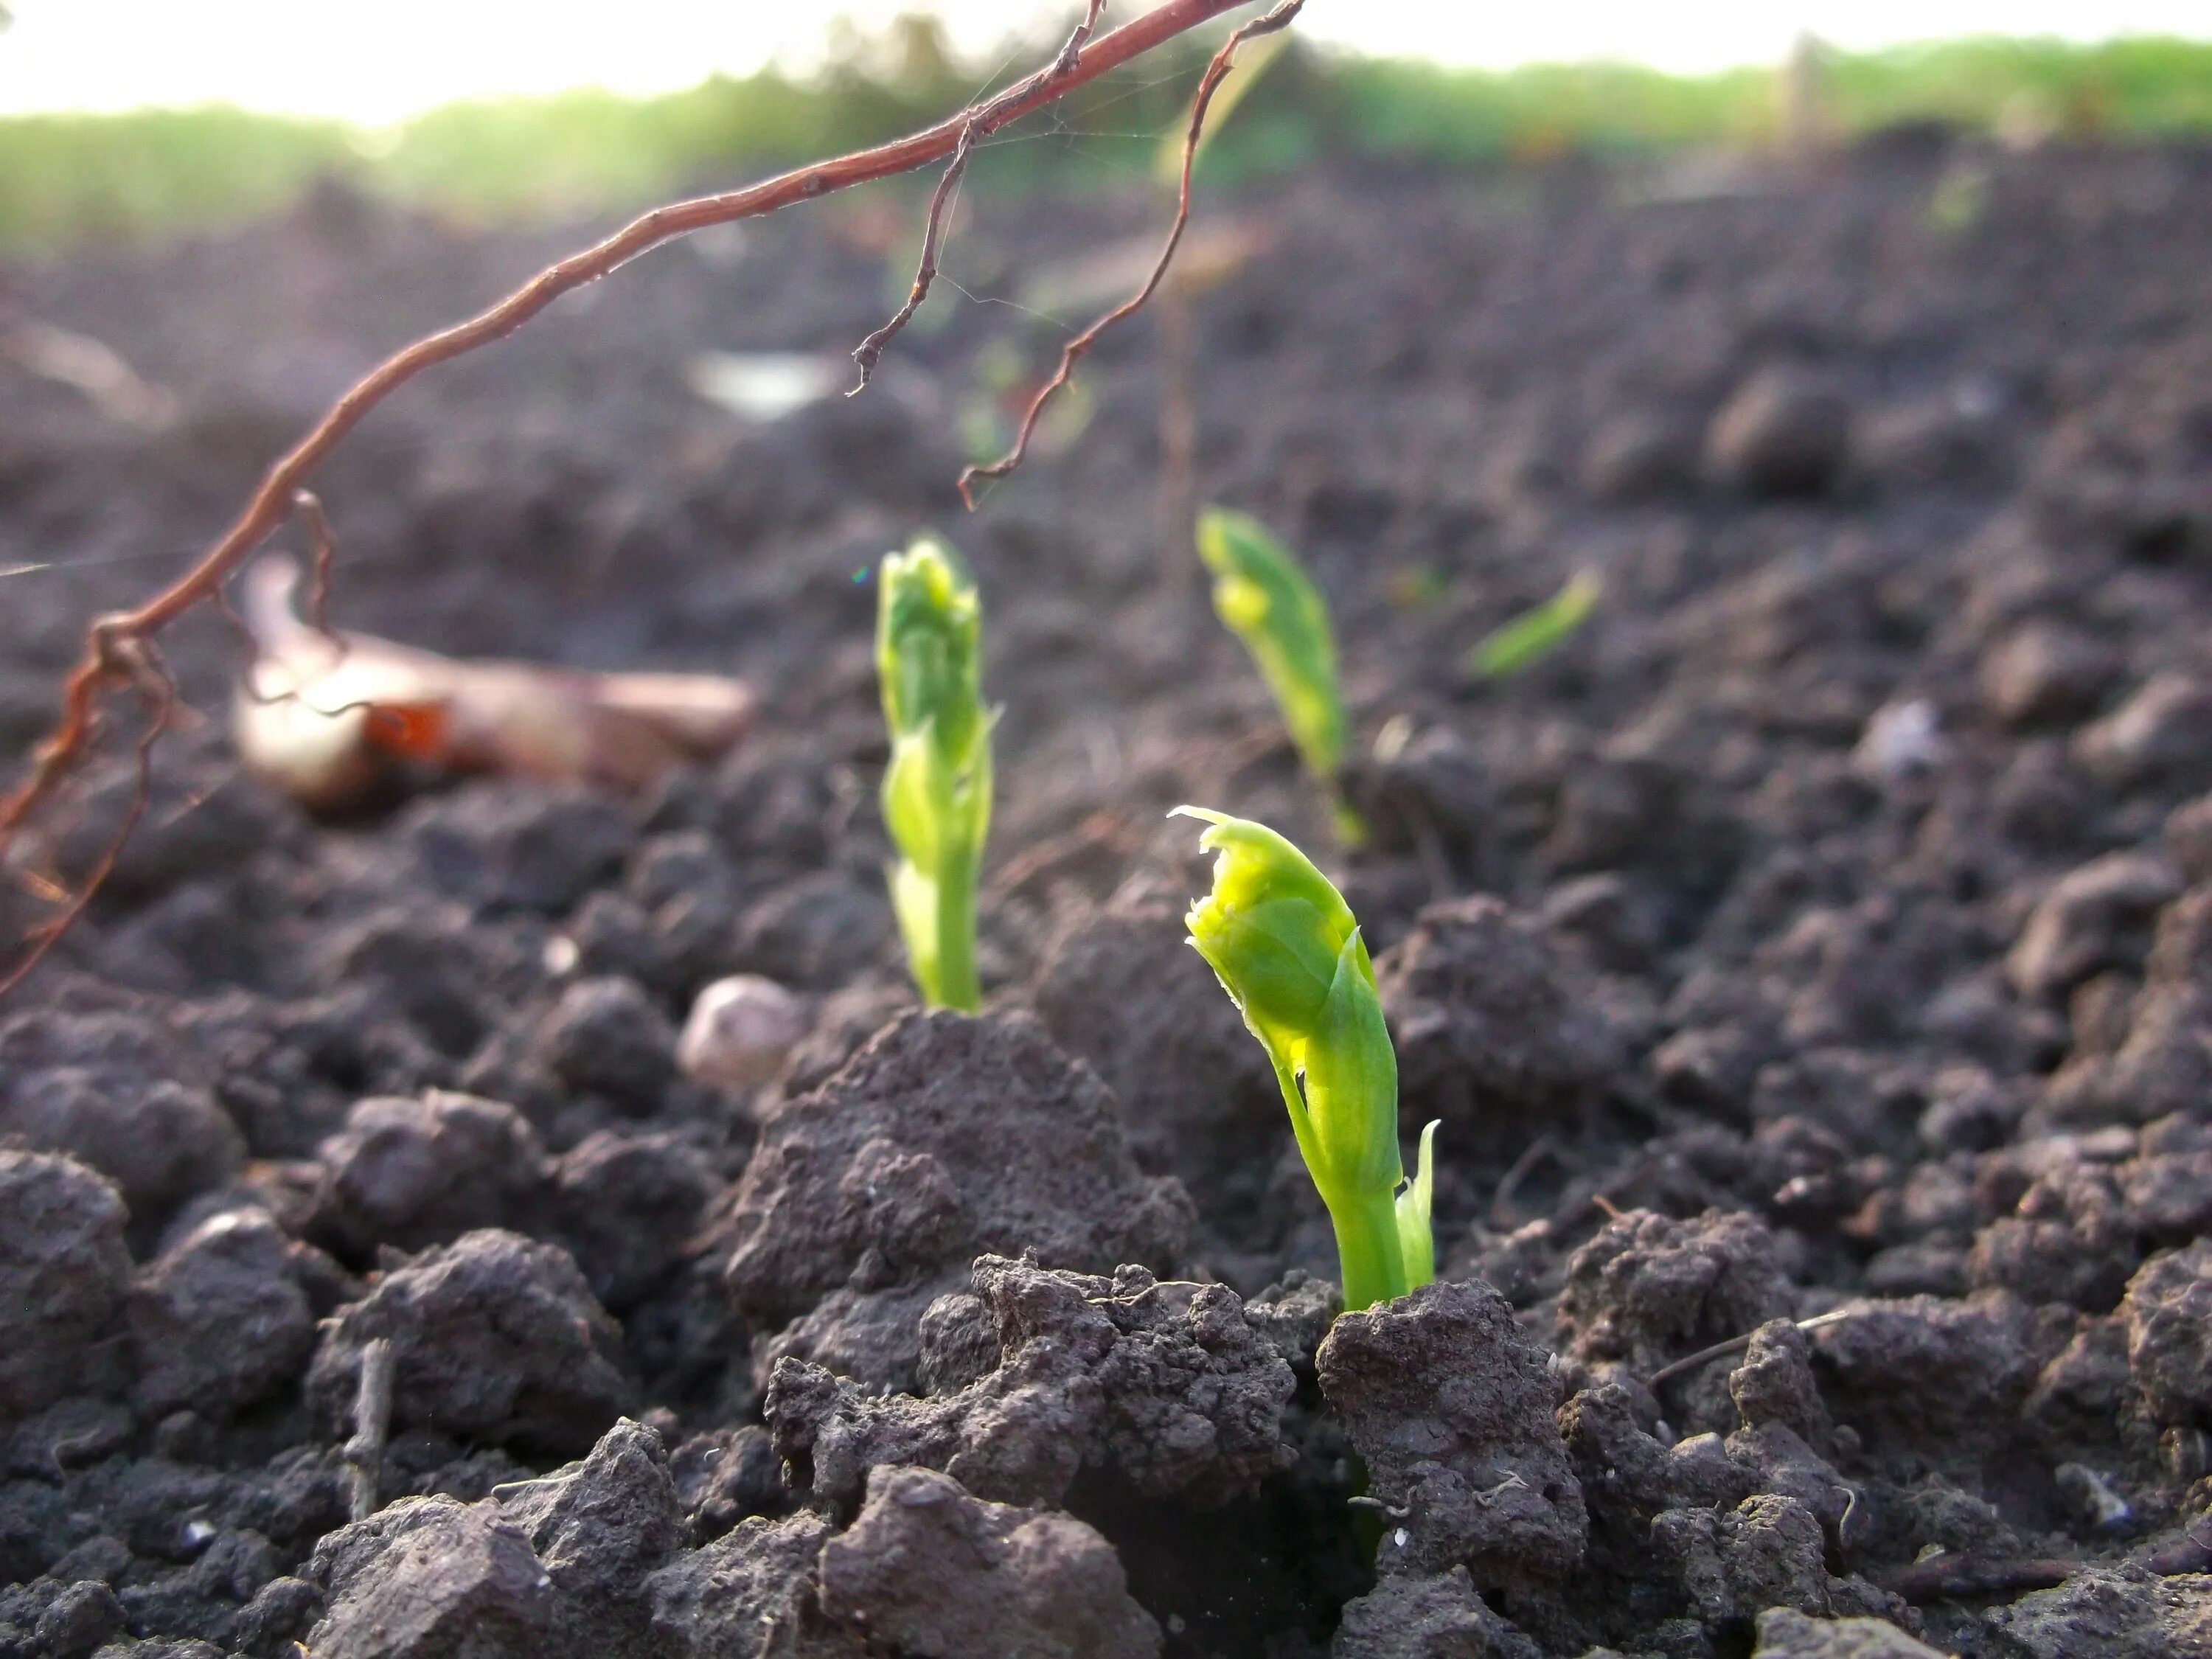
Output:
x=66 y=179
x=1537 y=632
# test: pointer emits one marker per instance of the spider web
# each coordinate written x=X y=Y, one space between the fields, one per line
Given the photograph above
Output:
x=1088 y=135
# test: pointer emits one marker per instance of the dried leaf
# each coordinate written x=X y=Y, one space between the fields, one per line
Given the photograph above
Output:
x=327 y=717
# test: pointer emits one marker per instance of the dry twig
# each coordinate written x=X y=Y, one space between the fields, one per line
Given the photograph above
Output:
x=866 y=353
x=136 y=662
x=117 y=652
x=1955 y=1574
x=324 y=542
x=372 y=1425
x=940 y=200
x=1075 y=350
x=1735 y=1345
x=2191 y=1553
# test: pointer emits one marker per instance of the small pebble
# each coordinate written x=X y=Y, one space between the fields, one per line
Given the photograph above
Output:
x=739 y=1032
x=2094 y=1497
x=1903 y=740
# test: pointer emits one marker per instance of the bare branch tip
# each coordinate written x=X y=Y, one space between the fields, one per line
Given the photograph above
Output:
x=110 y=661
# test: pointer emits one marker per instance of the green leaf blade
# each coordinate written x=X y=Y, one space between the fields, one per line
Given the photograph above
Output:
x=937 y=789
x=1533 y=635
x=1264 y=596
x=1286 y=948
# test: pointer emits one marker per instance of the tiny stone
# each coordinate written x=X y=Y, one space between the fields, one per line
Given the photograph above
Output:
x=1904 y=740
x=739 y=1032
x=2094 y=1497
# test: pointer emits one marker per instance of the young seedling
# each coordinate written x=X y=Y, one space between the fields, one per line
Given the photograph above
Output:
x=1283 y=945
x=1264 y=597
x=1537 y=632
x=937 y=792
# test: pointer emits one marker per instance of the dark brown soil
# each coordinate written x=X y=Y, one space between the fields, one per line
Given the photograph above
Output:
x=1823 y=933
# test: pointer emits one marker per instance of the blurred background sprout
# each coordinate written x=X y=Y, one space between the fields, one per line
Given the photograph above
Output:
x=1537 y=632
x=936 y=790
x=1265 y=597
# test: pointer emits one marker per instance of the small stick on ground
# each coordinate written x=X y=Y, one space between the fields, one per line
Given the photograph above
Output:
x=2193 y=1554
x=372 y=1425
x=1362 y=1501
x=1668 y=1373
x=1075 y=350
x=1949 y=1576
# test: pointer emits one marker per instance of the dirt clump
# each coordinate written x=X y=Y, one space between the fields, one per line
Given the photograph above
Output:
x=1121 y=990
x=412 y=1173
x=1786 y=1633
x=1170 y=1386
x=1406 y=1616
x=1648 y=1289
x=753 y=1592
x=494 y=1336
x=1809 y=956
x=65 y=1272
x=1449 y=1404
x=939 y=1574
x=1495 y=1034
x=1782 y=432
x=948 y=1136
x=219 y=1319
x=130 y=1102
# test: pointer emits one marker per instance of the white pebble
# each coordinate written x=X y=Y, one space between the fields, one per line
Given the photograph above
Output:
x=739 y=1032
x=1902 y=740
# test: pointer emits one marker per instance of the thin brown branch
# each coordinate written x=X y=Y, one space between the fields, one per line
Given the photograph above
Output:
x=1735 y=1345
x=1076 y=349
x=1082 y=32
x=1949 y=1575
x=250 y=686
x=228 y=611
x=372 y=1427
x=1955 y=1576
x=2191 y=1553
x=102 y=670
x=866 y=353
x=871 y=351
x=159 y=690
x=324 y=542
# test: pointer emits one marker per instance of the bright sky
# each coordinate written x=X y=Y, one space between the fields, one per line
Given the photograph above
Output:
x=377 y=62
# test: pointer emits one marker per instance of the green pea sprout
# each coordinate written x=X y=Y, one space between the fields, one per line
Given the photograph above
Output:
x=1283 y=945
x=1266 y=599
x=1537 y=632
x=936 y=791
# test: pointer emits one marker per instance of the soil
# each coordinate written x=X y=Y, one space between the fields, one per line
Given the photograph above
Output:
x=1810 y=960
